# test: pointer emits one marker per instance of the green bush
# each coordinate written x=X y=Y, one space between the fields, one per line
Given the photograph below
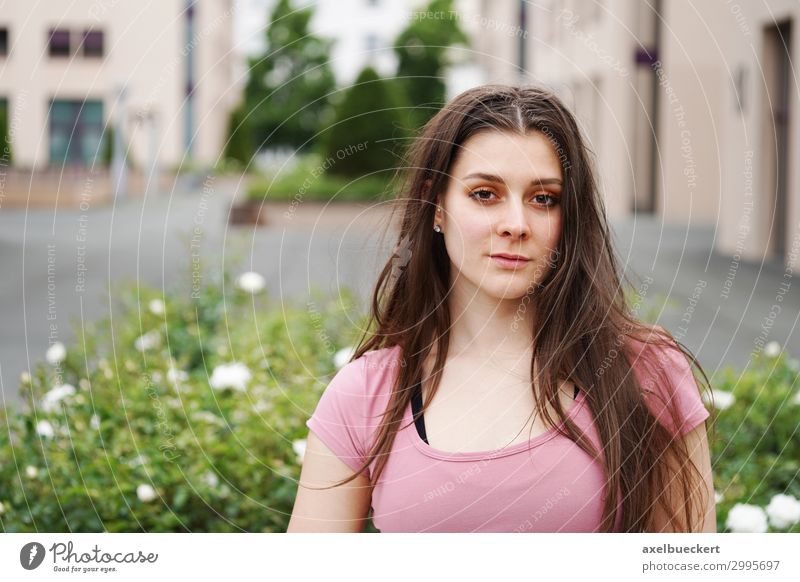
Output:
x=309 y=181
x=149 y=411
x=756 y=448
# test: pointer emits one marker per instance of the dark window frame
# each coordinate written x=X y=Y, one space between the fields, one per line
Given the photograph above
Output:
x=93 y=50
x=59 y=32
x=4 y=35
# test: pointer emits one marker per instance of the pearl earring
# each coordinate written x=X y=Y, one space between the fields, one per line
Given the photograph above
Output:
x=437 y=228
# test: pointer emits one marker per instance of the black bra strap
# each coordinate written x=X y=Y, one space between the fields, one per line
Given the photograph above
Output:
x=416 y=407
x=419 y=420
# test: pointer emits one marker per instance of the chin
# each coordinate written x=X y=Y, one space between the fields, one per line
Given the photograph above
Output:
x=513 y=292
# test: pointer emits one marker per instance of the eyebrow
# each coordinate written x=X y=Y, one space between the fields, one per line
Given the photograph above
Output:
x=499 y=180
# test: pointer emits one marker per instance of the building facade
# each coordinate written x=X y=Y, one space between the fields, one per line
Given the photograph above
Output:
x=155 y=76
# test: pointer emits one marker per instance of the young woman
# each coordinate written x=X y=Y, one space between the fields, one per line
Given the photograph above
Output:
x=506 y=385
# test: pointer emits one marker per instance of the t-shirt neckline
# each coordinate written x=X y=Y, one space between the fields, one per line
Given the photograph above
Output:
x=430 y=451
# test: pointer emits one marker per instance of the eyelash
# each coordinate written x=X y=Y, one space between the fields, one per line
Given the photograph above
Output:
x=554 y=199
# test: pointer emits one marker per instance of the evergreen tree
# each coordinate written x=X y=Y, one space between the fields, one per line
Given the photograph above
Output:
x=370 y=128
x=422 y=58
x=6 y=155
x=239 y=146
x=288 y=85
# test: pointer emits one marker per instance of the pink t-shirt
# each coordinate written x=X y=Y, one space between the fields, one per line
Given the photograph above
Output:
x=547 y=484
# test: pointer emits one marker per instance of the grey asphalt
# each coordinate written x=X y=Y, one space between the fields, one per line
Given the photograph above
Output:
x=57 y=267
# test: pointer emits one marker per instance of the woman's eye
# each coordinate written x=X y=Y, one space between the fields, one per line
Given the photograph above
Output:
x=481 y=195
x=546 y=199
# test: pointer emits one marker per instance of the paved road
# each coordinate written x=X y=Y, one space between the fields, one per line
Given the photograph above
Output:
x=57 y=267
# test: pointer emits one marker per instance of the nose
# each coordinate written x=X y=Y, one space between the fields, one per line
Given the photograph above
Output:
x=513 y=222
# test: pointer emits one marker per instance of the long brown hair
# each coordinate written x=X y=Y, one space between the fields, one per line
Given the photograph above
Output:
x=582 y=314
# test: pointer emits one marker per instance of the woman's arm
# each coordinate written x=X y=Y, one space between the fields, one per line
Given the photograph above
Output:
x=697 y=447
x=340 y=509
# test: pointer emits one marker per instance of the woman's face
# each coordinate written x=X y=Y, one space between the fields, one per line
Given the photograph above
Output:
x=502 y=198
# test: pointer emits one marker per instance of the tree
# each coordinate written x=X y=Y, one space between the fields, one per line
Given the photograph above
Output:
x=422 y=58
x=285 y=100
x=370 y=128
x=239 y=146
x=6 y=155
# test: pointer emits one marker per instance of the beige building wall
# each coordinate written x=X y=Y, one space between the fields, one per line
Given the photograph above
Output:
x=737 y=60
x=144 y=49
x=693 y=96
x=494 y=31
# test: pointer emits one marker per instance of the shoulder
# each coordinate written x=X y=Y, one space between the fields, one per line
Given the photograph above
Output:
x=657 y=357
x=667 y=381
x=369 y=377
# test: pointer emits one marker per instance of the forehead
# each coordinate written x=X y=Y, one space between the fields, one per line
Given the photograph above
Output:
x=509 y=154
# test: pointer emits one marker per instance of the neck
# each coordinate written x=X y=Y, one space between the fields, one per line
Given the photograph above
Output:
x=481 y=325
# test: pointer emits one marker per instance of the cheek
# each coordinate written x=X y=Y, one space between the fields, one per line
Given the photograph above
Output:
x=468 y=229
x=549 y=230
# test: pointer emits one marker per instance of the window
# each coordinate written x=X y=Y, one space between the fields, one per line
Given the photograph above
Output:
x=58 y=44
x=93 y=43
x=76 y=132
x=3 y=41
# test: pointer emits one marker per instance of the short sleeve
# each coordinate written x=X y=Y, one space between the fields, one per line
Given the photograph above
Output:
x=339 y=418
x=679 y=392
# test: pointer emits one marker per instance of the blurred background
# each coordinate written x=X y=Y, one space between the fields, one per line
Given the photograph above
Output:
x=194 y=206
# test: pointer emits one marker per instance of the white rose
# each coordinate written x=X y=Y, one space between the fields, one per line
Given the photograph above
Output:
x=722 y=399
x=148 y=341
x=145 y=493
x=56 y=353
x=31 y=471
x=234 y=375
x=744 y=518
x=251 y=282
x=211 y=479
x=299 y=447
x=207 y=416
x=783 y=511
x=343 y=356
x=56 y=395
x=175 y=376
x=137 y=461
x=772 y=350
x=45 y=429
x=156 y=307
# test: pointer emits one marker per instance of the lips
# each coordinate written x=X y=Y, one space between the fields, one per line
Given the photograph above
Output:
x=511 y=257
x=505 y=261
